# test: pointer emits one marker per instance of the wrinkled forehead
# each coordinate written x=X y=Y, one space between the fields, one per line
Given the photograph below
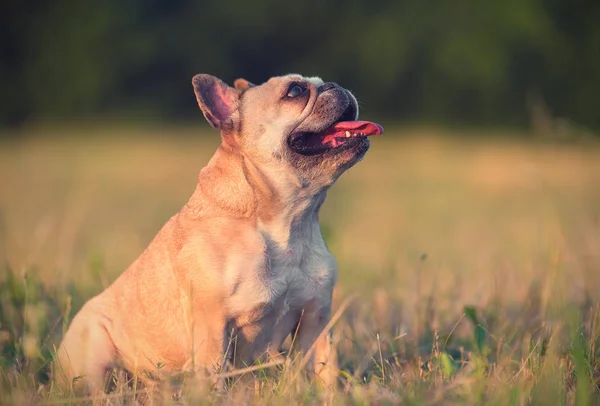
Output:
x=256 y=96
x=294 y=77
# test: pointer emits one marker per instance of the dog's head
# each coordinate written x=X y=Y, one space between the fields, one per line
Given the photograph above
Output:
x=289 y=121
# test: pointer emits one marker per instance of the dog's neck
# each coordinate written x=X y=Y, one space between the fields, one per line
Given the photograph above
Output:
x=284 y=208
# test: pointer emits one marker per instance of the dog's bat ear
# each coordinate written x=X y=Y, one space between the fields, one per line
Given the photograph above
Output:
x=216 y=99
x=242 y=84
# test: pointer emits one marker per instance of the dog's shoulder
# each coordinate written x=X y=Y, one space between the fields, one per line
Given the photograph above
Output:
x=221 y=240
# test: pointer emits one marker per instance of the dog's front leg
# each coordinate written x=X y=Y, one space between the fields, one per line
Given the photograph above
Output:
x=86 y=353
x=207 y=361
x=312 y=337
x=209 y=344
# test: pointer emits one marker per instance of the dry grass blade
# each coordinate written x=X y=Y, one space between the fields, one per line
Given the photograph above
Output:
x=306 y=358
x=253 y=368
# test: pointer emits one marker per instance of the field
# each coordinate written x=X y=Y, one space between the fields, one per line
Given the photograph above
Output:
x=473 y=263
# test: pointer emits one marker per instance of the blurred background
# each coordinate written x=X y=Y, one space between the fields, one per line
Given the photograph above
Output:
x=451 y=62
x=478 y=206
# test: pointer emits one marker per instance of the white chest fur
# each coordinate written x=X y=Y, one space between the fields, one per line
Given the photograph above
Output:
x=296 y=272
x=307 y=271
x=297 y=277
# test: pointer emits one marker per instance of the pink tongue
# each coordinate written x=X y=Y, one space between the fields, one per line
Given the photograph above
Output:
x=365 y=128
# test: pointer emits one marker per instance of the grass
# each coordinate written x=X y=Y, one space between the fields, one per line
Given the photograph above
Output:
x=475 y=262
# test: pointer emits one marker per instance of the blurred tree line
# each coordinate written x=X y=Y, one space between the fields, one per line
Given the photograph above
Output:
x=456 y=61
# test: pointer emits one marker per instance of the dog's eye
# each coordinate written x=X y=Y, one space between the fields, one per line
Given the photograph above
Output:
x=295 y=90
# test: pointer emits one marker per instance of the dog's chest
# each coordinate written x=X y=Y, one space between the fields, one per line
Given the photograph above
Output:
x=299 y=274
x=306 y=271
x=298 y=278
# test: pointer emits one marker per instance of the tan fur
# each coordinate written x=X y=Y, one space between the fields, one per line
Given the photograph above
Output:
x=243 y=259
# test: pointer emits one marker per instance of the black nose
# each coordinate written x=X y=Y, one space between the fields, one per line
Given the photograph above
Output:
x=326 y=86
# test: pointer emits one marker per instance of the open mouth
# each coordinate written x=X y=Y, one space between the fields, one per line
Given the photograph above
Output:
x=342 y=132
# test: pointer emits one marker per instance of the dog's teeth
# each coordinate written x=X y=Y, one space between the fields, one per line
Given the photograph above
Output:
x=347 y=134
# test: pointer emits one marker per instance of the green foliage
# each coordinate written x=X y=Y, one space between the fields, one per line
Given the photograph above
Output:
x=29 y=317
x=479 y=333
x=581 y=359
x=459 y=61
x=449 y=365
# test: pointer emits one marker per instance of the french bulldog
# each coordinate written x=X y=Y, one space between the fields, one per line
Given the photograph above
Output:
x=244 y=260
